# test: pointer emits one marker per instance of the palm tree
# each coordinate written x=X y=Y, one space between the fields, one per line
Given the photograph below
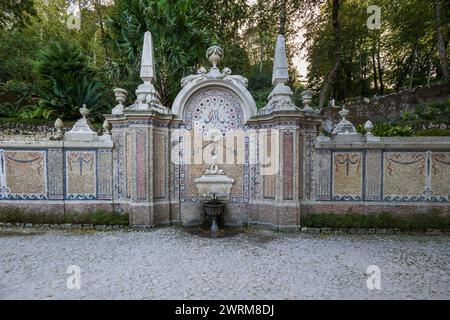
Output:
x=180 y=37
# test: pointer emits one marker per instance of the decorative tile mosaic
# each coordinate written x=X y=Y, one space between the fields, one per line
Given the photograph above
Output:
x=129 y=164
x=404 y=176
x=81 y=175
x=373 y=175
x=23 y=175
x=159 y=165
x=269 y=181
x=141 y=160
x=288 y=166
x=104 y=174
x=440 y=175
x=300 y=165
x=219 y=109
x=323 y=175
x=347 y=176
x=55 y=174
x=214 y=108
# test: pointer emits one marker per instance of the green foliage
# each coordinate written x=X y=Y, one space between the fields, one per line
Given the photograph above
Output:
x=425 y=115
x=433 y=132
x=37 y=112
x=382 y=129
x=180 y=38
x=383 y=220
x=97 y=217
x=16 y=13
x=11 y=110
x=67 y=81
x=424 y=120
x=401 y=54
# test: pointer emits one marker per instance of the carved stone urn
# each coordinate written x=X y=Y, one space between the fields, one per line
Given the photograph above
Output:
x=215 y=55
x=121 y=97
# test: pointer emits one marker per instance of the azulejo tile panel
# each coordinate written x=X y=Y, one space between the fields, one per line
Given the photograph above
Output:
x=141 y=160
x=214 y=108
x=440 y=175
x=81 y=175
x=404 y=176
x=104 y=174
x=373 y=175
x=288 y=165
x=323 y=175
x=55 y=174
x=159 y=165
x=347 y=175
x=23 y=175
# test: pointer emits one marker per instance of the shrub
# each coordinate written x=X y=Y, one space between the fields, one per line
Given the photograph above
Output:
x=433 y=132
x=67 y=81
x=97 y=217
x=383 y=220
x=384 y=129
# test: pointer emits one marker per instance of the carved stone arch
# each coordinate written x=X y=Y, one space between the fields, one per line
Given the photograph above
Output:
x=236 y=91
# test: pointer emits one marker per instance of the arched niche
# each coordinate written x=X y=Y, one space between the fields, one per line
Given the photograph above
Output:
x=195 y=94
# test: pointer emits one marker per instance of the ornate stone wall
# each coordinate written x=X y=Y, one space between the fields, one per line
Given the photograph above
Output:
x=388 y=174
x=56 y=173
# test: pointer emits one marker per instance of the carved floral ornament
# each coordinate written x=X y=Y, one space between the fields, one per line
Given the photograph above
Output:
x=220 y=82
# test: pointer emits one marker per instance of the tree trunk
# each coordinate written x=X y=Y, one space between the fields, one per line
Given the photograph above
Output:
x=375 y=76
x=338 y=55
x=413 y=66
x=98 y=10
x=430 y=66
x=380 y=70
x=282 y=26
x=440 y=41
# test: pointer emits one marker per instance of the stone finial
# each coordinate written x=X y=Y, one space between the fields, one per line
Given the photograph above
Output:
x=147 y=73
x=306 y=101
x=344 y=127
x=147 y=98
x=82 y=130
x=280 y=99
x=214 y=55
x=106 y=127
x=368 y=127
x=280 y=66
x=121 y=97
x=84 y=111
x=59 y=125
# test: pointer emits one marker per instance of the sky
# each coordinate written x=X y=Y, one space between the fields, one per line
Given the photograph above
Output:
x=299 y=59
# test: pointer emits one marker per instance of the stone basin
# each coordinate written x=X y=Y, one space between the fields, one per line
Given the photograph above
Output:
x=217 y=184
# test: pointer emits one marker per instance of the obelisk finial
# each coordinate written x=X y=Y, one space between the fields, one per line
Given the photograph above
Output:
x=280 y=99
x=147 y=72
x=280 y=66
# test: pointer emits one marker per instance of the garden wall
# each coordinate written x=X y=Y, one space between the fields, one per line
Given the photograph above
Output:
x=372 y=174
x=56 y=176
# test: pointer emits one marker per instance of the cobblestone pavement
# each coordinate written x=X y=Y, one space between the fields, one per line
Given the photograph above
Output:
x=168 y=263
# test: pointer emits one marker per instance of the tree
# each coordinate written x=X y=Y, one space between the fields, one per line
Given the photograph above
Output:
x=180 y=37
x=16 y=13
x=67 y=82
x=440 y=40
x=338 y=53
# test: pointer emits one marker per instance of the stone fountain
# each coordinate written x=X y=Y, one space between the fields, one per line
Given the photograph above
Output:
x=214 y=185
